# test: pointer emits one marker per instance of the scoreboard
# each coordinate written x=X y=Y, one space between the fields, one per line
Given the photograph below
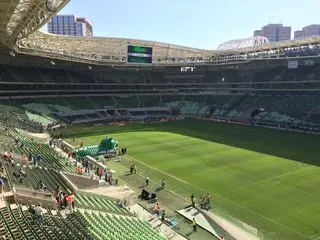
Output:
x=139 y=55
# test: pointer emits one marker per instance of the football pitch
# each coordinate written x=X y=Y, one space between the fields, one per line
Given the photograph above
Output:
x=267 y=179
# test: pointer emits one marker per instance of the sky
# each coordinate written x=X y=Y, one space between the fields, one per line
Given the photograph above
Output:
x=193 y=23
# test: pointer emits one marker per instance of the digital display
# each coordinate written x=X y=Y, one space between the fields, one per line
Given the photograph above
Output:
x=139 y=55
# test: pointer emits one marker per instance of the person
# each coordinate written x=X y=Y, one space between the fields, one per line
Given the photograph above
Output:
x=39 y=158
x=208 y=201
x=203 y=200
x=193 y=202
x=163 y=215
x=194 y=225
x=72 y=200
x=158 y=209
x=39 y=213
x=1 y=184
x=163 y=183
x=100 y=172
x=120 y=204
x=22 y=172
x=134 y=168
x=131 y=169
x=42 y=186
x=65 y=201
x=32 y=211
x=147 y=181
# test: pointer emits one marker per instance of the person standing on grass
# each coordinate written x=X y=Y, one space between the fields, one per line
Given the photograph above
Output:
x=147 y=181
x=163 y=183
x=194 y=225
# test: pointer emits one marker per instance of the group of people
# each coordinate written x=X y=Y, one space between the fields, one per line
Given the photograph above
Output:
x=35 y=159
x=20 y=175
x=55 y=142
x=163 y=182
x=64 y=200
x=204 y=204
x=36 y=213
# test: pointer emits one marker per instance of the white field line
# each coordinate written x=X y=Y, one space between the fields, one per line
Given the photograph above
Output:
x=227 y=200
x=279 y=176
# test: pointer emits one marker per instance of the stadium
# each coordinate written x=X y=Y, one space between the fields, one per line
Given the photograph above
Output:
x=125 y=139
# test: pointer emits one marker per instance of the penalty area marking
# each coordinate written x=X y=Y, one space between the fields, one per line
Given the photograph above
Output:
x=227 y=200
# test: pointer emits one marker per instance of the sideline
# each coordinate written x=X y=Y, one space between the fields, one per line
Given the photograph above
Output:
x=156 y=169
x=218 y=196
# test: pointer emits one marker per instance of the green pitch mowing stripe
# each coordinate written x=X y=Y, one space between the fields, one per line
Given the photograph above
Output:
x=247 y=170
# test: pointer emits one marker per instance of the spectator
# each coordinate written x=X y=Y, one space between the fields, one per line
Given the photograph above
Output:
x=32 y=211
x=39 y=213
x=147 y=181
x=1 y=185
x=42 y=186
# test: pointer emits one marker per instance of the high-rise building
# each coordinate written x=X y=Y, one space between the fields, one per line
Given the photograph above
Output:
x=274 y=32
x=69 y=25
x=308 y=31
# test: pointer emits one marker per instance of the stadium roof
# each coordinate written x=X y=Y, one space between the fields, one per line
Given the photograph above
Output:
x=100 y=50
x=103 y=50
x=19 y=18
x=243 y=43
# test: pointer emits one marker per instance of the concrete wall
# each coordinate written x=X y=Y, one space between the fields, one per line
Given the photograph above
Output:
x=27 y=197
x=73 y=188
x=81 y=181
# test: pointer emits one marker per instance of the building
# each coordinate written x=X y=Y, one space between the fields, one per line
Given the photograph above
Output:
x=70 y=25
x=274 y=32
x=308 y=31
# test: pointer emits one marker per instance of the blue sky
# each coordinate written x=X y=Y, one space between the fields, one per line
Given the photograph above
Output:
x=194 y=23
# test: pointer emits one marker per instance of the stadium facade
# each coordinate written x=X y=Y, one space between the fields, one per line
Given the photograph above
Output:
x=50 y=81
x=230 y=83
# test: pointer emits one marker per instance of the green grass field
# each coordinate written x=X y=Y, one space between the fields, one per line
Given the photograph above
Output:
x=267 y=179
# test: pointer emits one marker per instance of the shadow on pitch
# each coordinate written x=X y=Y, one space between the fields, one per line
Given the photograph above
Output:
x=290 y=145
